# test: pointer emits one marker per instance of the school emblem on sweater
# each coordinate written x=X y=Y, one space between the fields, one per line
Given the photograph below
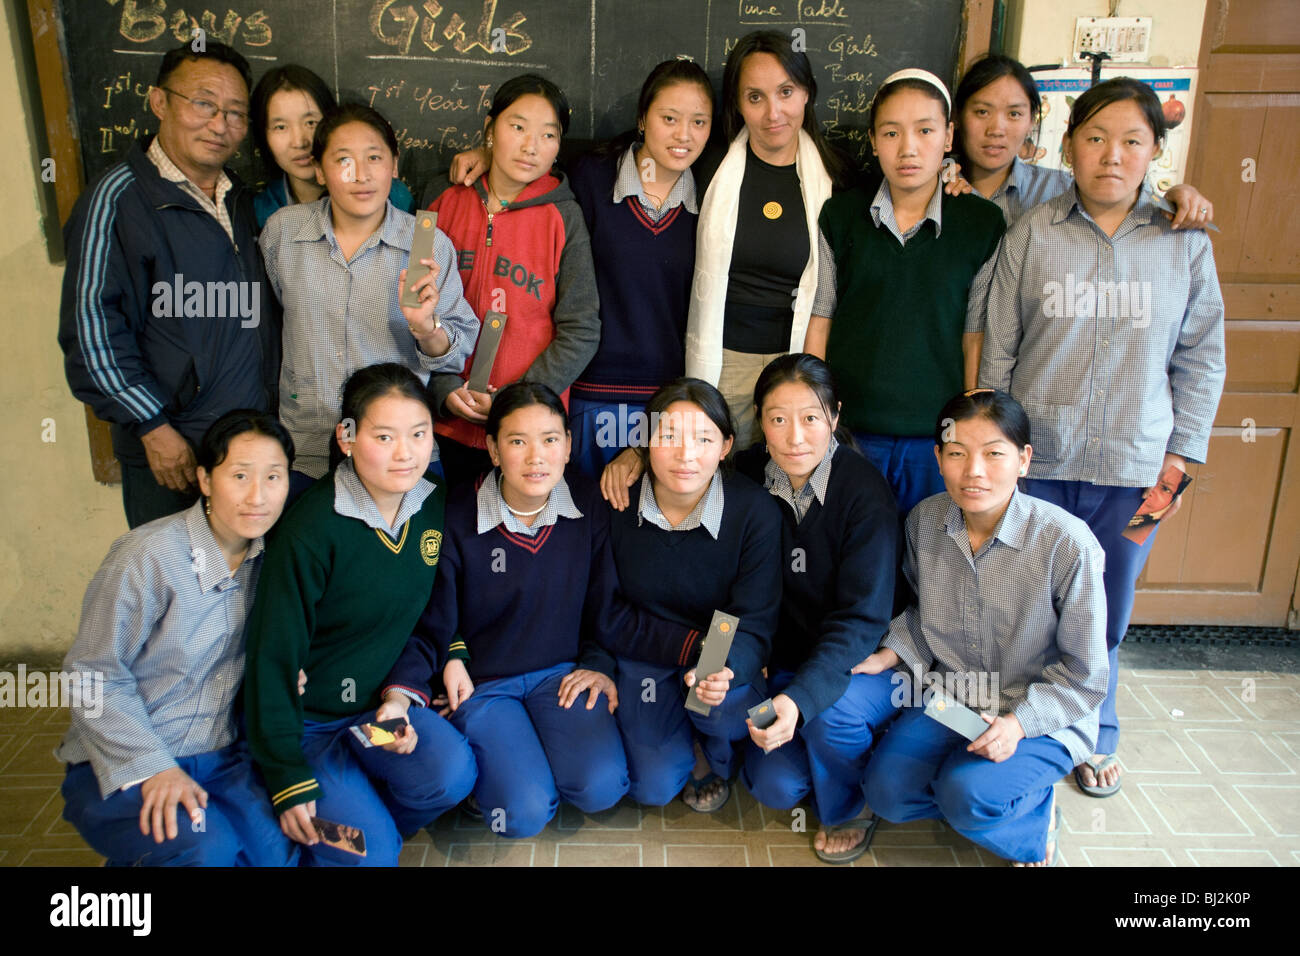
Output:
x=772 y=210
x=430 y=545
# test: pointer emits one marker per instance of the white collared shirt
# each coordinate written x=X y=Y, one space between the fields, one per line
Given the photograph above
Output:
x=492 y=509
x=707 y=511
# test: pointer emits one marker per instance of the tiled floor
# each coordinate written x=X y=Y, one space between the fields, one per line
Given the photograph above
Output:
x=1212 y=761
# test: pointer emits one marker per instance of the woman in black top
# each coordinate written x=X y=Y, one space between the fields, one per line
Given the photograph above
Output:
x=756 y=268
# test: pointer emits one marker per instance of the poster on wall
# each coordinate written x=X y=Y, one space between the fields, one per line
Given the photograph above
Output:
x=1176 y=89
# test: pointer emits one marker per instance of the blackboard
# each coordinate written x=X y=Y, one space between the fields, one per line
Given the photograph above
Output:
x=431 y=65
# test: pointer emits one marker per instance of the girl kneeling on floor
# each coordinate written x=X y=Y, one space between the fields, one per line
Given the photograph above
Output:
x=839 y=552
x=697 y=539
x=524 y=593
x=343 y=583
x=1010 y=614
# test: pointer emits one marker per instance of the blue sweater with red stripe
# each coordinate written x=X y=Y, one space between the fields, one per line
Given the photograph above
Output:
x=837 y=566
x=643 y=272
x=522 y=604
x=687 y=575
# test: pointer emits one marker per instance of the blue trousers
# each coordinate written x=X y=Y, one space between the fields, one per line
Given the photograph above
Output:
x=908 y=465
x=531 y=751
x=385 y=794
x=238 y=828
x=658 y=731
x=1106 y=510
x=600 y=431
x=827 y=755
x=921 y=770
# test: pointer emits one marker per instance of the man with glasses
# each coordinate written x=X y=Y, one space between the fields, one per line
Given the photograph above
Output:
x=167 y=321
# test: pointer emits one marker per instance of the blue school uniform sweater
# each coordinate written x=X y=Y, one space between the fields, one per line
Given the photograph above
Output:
x=643 y=273
x=687 y=575
x=521 y=604
x=838 y=566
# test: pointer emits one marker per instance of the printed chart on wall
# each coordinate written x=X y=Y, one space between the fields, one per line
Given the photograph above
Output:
x=1176 y=89
x=431 y=66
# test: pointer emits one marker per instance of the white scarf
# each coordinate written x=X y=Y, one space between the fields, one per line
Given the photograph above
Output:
x=713 y=240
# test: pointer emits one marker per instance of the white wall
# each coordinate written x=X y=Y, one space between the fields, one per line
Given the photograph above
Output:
x=56 y=521
x=1042 y=31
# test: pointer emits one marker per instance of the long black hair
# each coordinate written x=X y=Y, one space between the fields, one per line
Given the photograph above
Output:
x=373 y=382
x=530 y=84
x=519 y=395
x=989 y=69
x=1115 y=91
x=799 y=69
x=700 y=394
x=291 y=76
x=352 y=113
x=804 y=369
x=665 y=74
x=999 y=407
x=216 y=441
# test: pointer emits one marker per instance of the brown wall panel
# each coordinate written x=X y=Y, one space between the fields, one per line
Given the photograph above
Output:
x=1258 y=26
x=1218 y=540
x=1263 y=356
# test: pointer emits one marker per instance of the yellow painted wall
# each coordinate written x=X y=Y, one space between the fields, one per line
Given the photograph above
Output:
x=1042 y=31
x=56 y=521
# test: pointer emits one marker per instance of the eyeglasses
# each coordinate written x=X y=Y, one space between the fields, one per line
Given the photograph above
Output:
x=235 y=119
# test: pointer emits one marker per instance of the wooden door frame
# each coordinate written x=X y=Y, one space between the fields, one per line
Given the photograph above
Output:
x=1247 y=72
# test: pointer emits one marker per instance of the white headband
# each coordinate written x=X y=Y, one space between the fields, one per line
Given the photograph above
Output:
x=914 y=74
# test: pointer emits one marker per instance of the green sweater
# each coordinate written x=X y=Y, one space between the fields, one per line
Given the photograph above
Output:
x=338 y=599
x=895 y=339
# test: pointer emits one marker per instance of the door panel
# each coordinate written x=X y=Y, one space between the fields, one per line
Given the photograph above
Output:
x=1231 y=554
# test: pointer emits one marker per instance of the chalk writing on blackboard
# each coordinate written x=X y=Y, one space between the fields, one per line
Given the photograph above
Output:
x=400 y=25
x=766 y=12
x=143 y=22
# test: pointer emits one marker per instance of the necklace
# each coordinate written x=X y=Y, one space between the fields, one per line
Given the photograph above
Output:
x=523 y=514
x=493 y=194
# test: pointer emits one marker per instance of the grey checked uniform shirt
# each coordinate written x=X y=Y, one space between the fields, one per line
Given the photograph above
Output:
x=1114 y=345
x=776 y=481
x=341 y=315
x=707 y=511
x=163 y=622
x=1027 y=186
x=351 y=500
x=491 y=509
x=1029 y=607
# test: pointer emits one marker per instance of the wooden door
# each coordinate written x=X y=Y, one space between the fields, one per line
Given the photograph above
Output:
x=1230 y=555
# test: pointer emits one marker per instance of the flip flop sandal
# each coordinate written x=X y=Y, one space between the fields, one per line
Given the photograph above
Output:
x=1096 y=790
x=717 y=803
x=859 y=848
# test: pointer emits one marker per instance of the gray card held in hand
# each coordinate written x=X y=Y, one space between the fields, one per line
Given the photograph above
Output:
x=426 y=224
x=713 y=657
x=494 y=326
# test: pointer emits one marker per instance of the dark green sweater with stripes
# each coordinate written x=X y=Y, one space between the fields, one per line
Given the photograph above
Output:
x=338 y=599
x=895 y=340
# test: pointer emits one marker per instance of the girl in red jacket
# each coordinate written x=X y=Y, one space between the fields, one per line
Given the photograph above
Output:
x=523 y=251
